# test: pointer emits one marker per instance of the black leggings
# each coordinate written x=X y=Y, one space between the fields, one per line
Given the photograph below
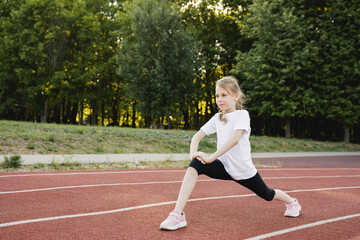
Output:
x=216 y=170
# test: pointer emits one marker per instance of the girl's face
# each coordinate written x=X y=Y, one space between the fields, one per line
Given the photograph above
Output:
x=226 y=101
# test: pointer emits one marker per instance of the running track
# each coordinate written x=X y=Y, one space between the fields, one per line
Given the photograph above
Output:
x=130 y=204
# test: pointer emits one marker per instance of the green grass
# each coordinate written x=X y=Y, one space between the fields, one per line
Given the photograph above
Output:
x=35 y=138
x=18 y=138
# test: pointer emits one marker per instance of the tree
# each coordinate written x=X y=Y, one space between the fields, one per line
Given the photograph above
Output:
x=216 y=24
x=303 y=66
x=158 y=59
x=278 y=71
x=9 y=100
x=104 y=93
x=35 y=36
x=339 y=40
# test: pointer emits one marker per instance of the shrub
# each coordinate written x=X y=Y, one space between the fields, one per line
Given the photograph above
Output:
x=30 y=146
x=12 y=162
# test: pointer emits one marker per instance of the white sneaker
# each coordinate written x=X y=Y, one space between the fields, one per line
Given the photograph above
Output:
x=174 y=221
x=292 y=209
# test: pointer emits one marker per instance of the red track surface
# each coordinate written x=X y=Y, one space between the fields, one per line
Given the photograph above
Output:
x=67 y=205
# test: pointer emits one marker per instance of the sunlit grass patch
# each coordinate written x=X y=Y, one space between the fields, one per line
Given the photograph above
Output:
x=36 y=138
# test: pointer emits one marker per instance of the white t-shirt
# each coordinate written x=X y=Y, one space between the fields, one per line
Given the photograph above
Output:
x=237 y=161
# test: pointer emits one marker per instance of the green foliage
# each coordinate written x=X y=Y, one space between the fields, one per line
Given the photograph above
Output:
x=61 y=51
x=38 y=165
x=35 y=36
x=339 y=40
x=157 y=57
x=11 y=162
x=303 y=63
x=276 y=70
x=30 y=146
x=134 y=63
x=218 y=30
x=54 y=164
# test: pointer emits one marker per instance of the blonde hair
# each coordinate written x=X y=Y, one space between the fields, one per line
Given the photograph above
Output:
x=231 y=85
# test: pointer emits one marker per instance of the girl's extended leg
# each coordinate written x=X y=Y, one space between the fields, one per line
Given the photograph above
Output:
x=186 y=189
x=283 y=197
x=292 y=205
x=258 y=186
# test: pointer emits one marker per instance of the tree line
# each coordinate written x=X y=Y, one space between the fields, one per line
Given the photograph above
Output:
x=154 y=63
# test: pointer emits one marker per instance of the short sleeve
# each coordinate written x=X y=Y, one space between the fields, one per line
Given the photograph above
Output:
x=210 y=127
x=242 y=121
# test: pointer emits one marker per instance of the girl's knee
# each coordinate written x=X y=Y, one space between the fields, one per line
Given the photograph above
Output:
x=269 y=196
x=192 y=170
x=197 y=165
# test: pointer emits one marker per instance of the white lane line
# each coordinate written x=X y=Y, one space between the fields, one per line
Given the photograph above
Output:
x=88 y=173
x=83 y=214
x=155 y=205
x=94 y=185
x=307 y=169
x=164 y=182
x=287 y=230
x=168 y=171
x=305 y=177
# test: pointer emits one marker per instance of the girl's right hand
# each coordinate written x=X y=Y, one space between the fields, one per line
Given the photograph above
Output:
x=196 y=154
x=200 y=156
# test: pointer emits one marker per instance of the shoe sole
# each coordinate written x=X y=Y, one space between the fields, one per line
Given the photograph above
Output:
x=293 y=216
x=179 y=225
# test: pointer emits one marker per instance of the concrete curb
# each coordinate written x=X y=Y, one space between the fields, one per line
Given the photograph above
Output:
x=101 y=158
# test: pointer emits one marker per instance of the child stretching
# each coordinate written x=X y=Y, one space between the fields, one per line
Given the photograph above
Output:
x=231 y=161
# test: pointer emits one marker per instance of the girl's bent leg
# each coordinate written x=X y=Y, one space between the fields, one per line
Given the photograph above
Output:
x=176 y=218
x=186 y=189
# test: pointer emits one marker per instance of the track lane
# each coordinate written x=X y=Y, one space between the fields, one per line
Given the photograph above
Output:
x=50 y=179
x=237 y=217
x=161 y=182
x=46 y=204
x=132 y=224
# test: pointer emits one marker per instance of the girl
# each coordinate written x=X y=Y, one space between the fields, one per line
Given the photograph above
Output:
x=231 y=161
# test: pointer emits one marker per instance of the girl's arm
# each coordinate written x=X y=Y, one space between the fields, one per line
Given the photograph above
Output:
x=230 y=143
x=195 y=143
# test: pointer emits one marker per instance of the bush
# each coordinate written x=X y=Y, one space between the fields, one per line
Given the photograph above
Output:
x=12 y=162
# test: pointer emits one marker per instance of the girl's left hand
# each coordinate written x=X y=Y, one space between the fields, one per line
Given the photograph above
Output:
x=202 y=157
